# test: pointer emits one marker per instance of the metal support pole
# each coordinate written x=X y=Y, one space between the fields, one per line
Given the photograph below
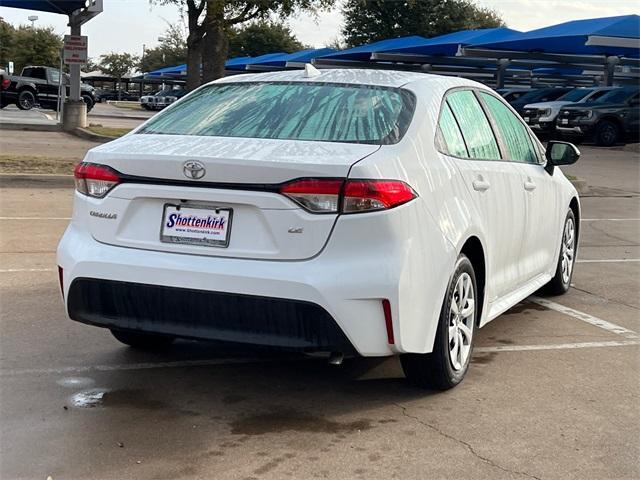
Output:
x=74 y=68
x=503 y=63
x=609 y=70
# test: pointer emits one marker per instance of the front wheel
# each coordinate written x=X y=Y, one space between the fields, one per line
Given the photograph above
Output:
x=88 y=101
x=447 y=364
x=143 y=341
x=26 y=100
x=561 y=281
x=607 y=133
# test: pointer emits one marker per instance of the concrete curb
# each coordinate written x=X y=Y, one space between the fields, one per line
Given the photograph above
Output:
x=31 y=127
x=88 y=135
x=117 y=117
x=35 y=180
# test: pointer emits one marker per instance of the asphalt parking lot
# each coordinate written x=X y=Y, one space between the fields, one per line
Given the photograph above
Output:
x=552 y=392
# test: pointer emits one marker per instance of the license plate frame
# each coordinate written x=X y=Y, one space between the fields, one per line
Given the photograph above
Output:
x=192 y=240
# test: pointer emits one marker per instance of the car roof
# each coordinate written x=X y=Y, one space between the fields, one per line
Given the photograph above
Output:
x=357 y=76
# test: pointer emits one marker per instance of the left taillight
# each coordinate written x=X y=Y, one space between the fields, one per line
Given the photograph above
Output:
x=329 y=195
x=95 y=180
x=5 y=83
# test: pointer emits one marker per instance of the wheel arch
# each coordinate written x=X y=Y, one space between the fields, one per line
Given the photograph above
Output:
x=474 y=251
x=574 y=205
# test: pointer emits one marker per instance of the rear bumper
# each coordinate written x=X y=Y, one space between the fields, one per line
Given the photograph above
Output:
x=205 y=314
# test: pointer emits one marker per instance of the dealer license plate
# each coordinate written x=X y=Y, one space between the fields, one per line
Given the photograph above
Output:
x=205 y=226
x=526 y=119
x=564 y=121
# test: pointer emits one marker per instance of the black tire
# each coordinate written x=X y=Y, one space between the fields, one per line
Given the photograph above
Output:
x=608 y=133
x=26 y=100
x=143 y=341
x=560 y=283
x=89 y=102
x=435 y=370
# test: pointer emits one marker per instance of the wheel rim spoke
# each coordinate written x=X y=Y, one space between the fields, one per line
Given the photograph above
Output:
x=461 y=318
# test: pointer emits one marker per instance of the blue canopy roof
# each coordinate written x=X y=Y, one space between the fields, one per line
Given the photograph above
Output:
x=448 y=44
x=622 y=37
x=303 y=56
x=363 y=52
x=175 y=70
x=240 y=63
x=53 y=6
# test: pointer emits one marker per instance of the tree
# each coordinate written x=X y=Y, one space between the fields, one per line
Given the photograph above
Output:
x=367 y=21
x=262 y=37
x=222 y=16
x=195 y=19
x=118 y=65
x=26 y=45
x=171 y=51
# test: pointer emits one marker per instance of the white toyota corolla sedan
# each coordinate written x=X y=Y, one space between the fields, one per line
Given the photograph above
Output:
x=345 y=211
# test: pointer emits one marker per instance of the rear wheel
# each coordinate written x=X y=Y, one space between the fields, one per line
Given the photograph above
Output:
x=561 y=281
x=26 y=100
x=607 y=133
x=448 y=363
x=143 y=341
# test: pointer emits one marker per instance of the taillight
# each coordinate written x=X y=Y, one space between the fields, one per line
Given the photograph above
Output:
x=319 y=195
x=95 y=180
x=5 y=83
x=315 y=194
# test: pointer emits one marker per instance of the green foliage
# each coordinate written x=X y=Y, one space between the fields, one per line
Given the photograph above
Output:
x=262 y=37
x=24 y=45
x=118 y=64
x=367 y=21
x=171 y=51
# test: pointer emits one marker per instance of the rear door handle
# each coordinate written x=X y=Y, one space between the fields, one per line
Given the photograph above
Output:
x=481 y=185
x=529 y=186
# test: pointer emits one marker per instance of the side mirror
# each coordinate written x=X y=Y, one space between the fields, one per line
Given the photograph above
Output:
x=561 y=153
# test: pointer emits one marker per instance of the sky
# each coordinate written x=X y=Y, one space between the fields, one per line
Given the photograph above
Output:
x=125 y=25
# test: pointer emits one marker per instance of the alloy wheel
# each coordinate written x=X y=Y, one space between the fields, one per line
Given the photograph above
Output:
x=568 y=250
x=461 y=318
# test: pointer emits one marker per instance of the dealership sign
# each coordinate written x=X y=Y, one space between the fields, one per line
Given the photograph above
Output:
x=74 y=50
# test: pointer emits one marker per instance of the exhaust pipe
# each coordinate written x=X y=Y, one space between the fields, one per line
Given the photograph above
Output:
x=335 y=358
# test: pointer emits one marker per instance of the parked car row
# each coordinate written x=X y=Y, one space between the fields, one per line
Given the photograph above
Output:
x=162 y=99
x=105 y=95
x=606 y=115
x=38 y=86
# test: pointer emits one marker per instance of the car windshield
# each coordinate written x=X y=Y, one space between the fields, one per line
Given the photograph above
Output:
x=617 y=95
x=291 y=111
x=576 y=94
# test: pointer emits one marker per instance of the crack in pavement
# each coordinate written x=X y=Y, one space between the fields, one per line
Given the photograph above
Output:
x=467 y=445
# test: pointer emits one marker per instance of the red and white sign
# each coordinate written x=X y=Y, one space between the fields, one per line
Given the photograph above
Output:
x=75 y=49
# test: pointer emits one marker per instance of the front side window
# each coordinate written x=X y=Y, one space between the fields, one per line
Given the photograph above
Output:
x=474 y=125
x=291 y=111
x=512 y=130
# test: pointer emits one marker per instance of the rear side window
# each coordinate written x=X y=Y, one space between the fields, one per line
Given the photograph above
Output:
x=513 y=132
x=292 y=111
x=451 y=139
x=474 y=125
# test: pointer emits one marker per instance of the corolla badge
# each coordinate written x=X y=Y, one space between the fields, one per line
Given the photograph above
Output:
x=193 y=169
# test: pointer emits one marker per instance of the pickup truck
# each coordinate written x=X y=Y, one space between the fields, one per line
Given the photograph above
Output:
x=39 y=86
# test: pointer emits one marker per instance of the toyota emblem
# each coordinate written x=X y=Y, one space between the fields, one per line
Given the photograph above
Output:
x=193 y=169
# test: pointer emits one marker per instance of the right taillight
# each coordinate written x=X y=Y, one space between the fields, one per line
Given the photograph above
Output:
x=95 y=180
x=328 y=195
x=5 y=83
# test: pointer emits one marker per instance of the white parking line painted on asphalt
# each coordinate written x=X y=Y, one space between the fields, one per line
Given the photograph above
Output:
x=610 y=260
x=35 y=218
x=14 y=270
x=241 y=361
x=585 y=317
x=609 y=219
x=558 y=346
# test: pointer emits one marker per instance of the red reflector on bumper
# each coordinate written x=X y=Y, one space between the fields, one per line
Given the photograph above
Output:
x=388 y=320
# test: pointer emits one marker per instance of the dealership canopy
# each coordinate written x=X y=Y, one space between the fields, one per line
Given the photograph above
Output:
x=65 y=7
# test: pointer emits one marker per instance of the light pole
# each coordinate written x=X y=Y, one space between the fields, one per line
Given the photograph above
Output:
x=32 y=19
x=142 y=65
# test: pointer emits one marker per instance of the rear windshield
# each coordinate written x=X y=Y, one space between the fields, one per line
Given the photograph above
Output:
x=291 y=111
